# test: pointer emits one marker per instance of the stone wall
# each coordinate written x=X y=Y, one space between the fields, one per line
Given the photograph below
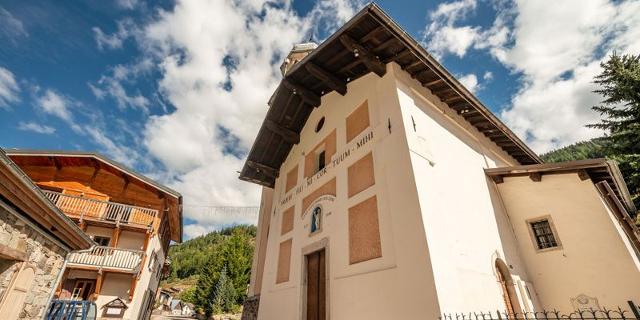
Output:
x=37 y=251
x=250 y=308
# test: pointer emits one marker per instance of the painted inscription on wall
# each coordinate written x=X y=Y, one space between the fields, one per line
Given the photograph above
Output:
x=337 y=159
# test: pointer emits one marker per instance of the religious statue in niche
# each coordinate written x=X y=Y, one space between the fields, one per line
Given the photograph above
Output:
x=316 y=219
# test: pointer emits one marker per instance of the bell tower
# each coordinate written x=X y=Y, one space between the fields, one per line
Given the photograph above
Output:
x=298 y=52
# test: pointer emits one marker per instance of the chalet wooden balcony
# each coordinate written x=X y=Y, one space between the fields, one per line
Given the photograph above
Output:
x=104 y=211
x=125 y=260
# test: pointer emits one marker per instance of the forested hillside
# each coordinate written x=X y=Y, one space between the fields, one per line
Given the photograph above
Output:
x=591 y=149
x=214 y=269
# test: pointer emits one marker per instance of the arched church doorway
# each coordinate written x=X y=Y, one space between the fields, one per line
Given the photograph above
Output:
x=508 y=287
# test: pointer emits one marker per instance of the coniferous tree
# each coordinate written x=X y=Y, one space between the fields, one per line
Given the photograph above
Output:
x=204 y=293
x=620 y=85
x=205 y=257
x=225 y=294
x=238 y=254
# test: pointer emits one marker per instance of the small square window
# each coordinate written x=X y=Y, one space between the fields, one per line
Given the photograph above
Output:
x=543 y=234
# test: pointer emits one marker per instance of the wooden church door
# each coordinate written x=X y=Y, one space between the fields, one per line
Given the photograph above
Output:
x=316 y=286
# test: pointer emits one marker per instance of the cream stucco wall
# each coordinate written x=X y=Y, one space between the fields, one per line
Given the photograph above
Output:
x=131 y=240
x=399 y=285
x=443 y=223
x=595 y=259
x=461 y=220
x=148 y=278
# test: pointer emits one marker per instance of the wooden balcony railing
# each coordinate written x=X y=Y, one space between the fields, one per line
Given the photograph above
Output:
x=85 y=208
x=108 y=257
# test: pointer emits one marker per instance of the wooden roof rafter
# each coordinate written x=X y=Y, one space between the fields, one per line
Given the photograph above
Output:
x=365 y=44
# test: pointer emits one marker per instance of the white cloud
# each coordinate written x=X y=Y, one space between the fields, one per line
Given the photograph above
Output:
x=113 y=86
x=470 y=81
x=11 y=27
x=556 y=51
x=443 y=36
x=127 y=4
x=117 y=151
x=9 y=90
x=487 y=76
x=35 y=127
x=219 y=64
x=126 y=29
x=55 y=104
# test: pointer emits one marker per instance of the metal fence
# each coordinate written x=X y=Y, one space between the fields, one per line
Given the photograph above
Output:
x=629 y=312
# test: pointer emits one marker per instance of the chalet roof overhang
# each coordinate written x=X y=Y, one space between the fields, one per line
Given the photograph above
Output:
x=20 y=191
x=598 y=170
x=365 y=44
x=92 y=159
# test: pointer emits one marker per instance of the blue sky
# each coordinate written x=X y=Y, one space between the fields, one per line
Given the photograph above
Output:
x=177 y=89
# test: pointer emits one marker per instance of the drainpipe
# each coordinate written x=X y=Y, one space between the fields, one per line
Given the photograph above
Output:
x=58 y=279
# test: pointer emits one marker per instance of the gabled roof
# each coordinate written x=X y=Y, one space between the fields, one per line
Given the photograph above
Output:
x=80 y=158
x=96 y=156
x=17 y=188
x=365 y=44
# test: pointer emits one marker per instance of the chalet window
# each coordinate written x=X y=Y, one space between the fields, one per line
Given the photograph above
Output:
x=102 y=241
x=543 y=234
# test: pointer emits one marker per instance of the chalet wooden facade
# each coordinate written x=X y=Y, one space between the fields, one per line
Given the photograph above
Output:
x=391 y=192
x=131 y=219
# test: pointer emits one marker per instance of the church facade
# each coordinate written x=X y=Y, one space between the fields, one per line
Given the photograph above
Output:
x=391 y=192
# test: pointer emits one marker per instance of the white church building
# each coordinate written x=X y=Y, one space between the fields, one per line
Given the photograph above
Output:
x=391 y=192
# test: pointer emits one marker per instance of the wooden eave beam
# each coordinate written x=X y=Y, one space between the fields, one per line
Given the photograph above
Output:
x=442 y=91
x=399 y=56
x=363 y=55
x=288 y=135
x=263 y=168
x=307 y=95
x=421 y=73
x=386 y=44
x=413 y=65
x=327 y=78
x=583 y=175
x=535 y=176
x=433 y=83
x=452 y=99
x=372 y=34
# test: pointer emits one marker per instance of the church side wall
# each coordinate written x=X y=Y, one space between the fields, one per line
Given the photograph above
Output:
x=362 y=285
x=460 y=213
x=595 y=259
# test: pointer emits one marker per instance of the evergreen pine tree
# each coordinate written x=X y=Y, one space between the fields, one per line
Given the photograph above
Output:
x=620 y=85
x=204 y=292
x=225 y=295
